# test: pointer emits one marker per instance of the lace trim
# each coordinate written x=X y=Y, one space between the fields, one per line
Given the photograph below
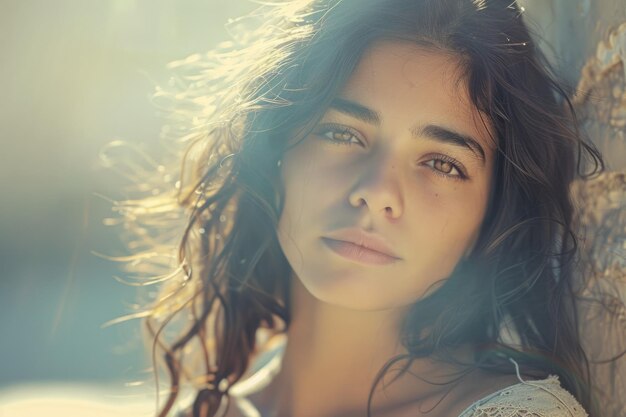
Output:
x=528 y=399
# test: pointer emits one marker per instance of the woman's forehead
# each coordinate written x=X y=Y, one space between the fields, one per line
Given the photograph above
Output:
x=400 y=77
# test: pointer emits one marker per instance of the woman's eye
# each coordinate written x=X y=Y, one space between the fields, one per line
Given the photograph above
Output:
x=341 y=135
x=447 y=168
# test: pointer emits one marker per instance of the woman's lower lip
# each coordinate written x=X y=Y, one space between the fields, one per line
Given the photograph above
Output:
x=358 y=253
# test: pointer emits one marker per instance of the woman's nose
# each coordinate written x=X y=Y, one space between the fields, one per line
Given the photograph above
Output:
x=379 y=190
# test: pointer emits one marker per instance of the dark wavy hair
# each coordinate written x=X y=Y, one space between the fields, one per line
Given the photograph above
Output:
x=235 y=110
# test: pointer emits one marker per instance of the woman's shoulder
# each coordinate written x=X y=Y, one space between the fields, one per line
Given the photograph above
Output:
x=538 y=398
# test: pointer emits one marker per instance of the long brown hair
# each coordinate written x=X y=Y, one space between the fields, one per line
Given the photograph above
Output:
x=235 y=109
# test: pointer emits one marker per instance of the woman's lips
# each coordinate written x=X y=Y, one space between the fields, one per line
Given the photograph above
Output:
x=358 y=253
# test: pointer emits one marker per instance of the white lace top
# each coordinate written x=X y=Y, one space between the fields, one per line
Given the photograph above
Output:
x=538 y=398
x=542 y=398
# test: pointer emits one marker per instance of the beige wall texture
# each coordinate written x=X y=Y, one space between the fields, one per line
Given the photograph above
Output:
x=588 y=39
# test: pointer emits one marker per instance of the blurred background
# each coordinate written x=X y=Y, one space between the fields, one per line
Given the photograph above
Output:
x=77 y=74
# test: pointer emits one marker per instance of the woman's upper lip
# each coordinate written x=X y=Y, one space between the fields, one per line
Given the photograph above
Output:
x=362 y=238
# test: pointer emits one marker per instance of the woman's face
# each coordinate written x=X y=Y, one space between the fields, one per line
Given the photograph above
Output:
x=389 y=191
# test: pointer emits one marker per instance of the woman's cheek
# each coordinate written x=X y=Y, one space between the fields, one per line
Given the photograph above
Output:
x=429 y=191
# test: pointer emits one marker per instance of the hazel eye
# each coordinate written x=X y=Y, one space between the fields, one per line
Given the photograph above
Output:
x=446 y=167
x=340 y=135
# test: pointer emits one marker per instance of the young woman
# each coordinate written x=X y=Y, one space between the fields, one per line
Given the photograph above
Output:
x=378 y=219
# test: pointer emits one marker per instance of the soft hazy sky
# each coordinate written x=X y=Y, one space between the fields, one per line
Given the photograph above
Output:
x=74 y=75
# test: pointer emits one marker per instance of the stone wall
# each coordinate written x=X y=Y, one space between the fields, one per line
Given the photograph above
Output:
x=586 y=42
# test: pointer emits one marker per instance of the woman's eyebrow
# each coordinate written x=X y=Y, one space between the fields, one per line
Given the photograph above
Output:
x=446 y=135
x=431 y=131
x=355 y=110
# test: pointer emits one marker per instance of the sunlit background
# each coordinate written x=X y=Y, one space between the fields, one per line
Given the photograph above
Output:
x=74 y=75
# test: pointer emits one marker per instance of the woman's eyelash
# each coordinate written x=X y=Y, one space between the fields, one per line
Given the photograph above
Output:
x=455 y=165
x=339 y=134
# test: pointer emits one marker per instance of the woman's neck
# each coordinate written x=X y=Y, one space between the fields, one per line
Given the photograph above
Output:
x=333 y=356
